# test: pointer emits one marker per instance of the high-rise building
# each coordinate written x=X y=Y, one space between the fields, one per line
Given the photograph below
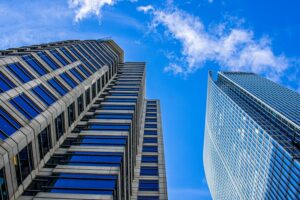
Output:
x=75 y=124
x=252 y=138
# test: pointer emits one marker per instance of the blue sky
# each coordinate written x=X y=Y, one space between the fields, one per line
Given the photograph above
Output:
x=180 y=41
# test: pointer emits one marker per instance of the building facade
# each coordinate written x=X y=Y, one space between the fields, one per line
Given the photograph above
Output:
x=252 y=138
x=75 y=124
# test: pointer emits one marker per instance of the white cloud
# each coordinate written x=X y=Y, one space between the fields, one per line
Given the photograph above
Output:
x=145 y=9
x=231 y=48
x=84 y=8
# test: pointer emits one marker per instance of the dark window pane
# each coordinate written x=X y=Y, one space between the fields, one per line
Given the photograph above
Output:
x=20 y=72
x=23 y=104
x=5 y=83
x=44 y=95
x=23 y=163
x=61 y=59
x=77 y=74
x=150 y=140
x=57 y=86
x=149 y=171
x=148 y=185
x=149 y=148
x=146 y=132
x=121 y=127
x=36 y=66
x=80 y=104
x=149 y=159
x=71 y=114
x=113 y=116
x=84 y=70
x=44 y=141
x=148 y=198
x=48 y=60
x=67 y=54
x=3 y=185
x=150 y=126
x=93 y=90
x=59 y=126
x=87 y=97
x=68 y=80
x=8 y=124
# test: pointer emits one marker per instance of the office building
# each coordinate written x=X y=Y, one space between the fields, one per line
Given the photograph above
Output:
x=252 y=138
x=75 y=124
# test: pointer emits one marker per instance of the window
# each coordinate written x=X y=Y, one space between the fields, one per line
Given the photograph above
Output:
x=148 y=185
x=87 y=97
x=26 y=106
x=59 y=57
x=71 y=114
x=93 y=90
x=35 y=65
x=59 y=125
x=84 y=70
x=124 y=94
x=57 y=86
x=98 y=85
x=120 y=100
x=106 y=126
x=150 y=140
x=148 y=198
x=45 y=144
x=149 y=148
x=3 y=185
x=102 y=81
x=149 y=171
x=67 y=54
x=113 y=116
x=150 y=114
x=48 y=60
x=23 y=163
x=77 y=74
x=147 y=132
x=115 y=107
x=80 y=104
x=8 y=124
x=151 y=120
x=151 y=110
x=5 y=83
x=44 y=95
x=68 y=80
x=150 y=126
x=20 y=72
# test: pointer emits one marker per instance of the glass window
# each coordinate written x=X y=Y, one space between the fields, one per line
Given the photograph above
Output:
x=115 y=127
x=84 y=70
x=44 y=95
x=149 y=148
x=59 y=125
x=80 y=104
x=8 y=124
x=3 y=185
x=63 y=49
x=147 y=132
x=148 y=185
x=5 y=83
x=150 y=114
x=57 y=86
x=59 y=57
x=20 y=72
x=23 y=163
x=115 y=107
x=68 y=80
x=35 y=65
x=44 y=139
x=93 y=90
x=120 y=100
x=150 y=125
x=113 y=116
x=124 y=94
x=151 y=110
x=150 y=140
x=77 y=74
x=148 y=198
x=149 y=159
x=48 y=60
x=98 y=85
x=26 y=106
x=87 y=97
x=151 y=120
x=149 y=171
x=71 y=114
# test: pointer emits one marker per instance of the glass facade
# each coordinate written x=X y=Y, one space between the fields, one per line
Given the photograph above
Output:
x=73 y=125
x=251 y=147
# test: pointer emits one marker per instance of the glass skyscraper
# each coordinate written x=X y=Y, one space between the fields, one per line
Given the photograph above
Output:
x=252 y=138
x=75 y=124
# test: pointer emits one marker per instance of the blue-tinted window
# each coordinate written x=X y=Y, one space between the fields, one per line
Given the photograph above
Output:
x=149 y=148
x=82 y=59
x=149 y=159
x=5 y=83
x=148 y=198
x=44 y=95
x=115 y=107
x=8 y=124
x=26 y=106
x=120 y=100
x=103 y=141
x=151 y=120
x=84 y=70
x=35 y=65
x=57 y=86
x=3 y=185
x=48 y=60
x=68 y=79
x=68 y=54
x=150 y=126
x=60 y=125
x=149 y=171
x=150 y=140
x=44 y=140
x=151 y=110
x=61 y=59
x=24 y=163
x=146 y=132
x=113 y=116
x=124 y=94
x=125 y=89
x=150 y=114
x=148 y=185
x=20 y=72
x=115 y=127
x=77 y=74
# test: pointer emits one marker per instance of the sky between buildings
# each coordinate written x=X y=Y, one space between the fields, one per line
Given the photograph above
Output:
x=180 y=41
